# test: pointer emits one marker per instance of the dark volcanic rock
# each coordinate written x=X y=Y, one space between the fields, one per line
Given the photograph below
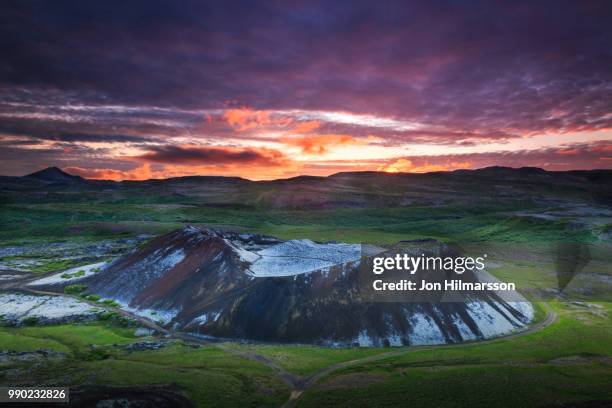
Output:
x=259 y=288
x=146 y=345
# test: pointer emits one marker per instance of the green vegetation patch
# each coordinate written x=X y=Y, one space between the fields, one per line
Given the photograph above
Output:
x=205 y=374
x=82 y=221
x=75 y=289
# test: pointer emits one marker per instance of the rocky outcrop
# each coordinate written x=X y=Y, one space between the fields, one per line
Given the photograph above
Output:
x=23 y=309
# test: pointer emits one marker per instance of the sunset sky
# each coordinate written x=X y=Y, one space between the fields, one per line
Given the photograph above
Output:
x=136 y=90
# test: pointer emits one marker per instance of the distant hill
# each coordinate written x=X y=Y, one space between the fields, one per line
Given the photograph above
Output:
x=369 y=189
x=55 y=175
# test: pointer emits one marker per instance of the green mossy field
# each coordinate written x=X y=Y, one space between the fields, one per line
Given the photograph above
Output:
x=521 y=225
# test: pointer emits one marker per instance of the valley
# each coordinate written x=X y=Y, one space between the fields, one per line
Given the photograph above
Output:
x=56 y=236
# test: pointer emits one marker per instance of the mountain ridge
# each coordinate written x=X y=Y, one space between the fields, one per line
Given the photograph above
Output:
x=47 y=174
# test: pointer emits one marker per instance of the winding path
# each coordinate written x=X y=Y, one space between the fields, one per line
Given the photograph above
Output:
x=307 y=383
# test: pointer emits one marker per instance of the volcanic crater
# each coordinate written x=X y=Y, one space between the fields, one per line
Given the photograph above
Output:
x=260 y=288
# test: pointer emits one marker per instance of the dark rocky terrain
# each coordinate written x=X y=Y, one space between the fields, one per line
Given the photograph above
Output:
x=254 y=287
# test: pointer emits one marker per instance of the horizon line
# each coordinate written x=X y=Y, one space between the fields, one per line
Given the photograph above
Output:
x=319 y=177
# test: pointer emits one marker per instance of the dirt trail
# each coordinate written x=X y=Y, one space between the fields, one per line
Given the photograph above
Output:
x=291 y=380
x=297 y=384
x=296 y=393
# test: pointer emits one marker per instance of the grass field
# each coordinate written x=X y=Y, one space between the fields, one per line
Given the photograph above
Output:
x=566 y=362
x=206 y=374
x=569 y=361
x=22 y=223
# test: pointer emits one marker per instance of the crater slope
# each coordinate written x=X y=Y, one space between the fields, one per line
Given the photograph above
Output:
x=260 y=288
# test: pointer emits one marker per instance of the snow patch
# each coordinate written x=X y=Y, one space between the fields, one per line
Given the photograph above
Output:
x=395 y=340
x=524 y=308
x=464 y=330
x=364 y=340
x=297 y=257
x=206 y=317
x=424 y=330
x=158 y=315
x=169 y=261
x=10 y=277
x=490 y=322
x=16 y=307
x=57 y=278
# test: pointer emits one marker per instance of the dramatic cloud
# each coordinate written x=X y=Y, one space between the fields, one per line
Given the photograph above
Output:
x=581 y=156
x=245 y=119
x=88 y=137
x=307 y=127
x=143 y=172
x=194 y=155
x=575 y=156
x=87 y=84
x=320 y=144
